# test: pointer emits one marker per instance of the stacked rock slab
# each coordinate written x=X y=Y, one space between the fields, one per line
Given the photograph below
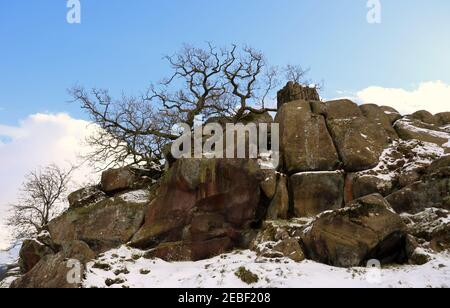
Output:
x=305 y=143
x=315 y=192
x=294 y=91
x=359 y=141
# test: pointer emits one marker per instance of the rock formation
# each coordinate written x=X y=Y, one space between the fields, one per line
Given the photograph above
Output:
x=355 y=183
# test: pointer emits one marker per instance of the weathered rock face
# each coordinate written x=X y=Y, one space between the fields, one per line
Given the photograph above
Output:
x=339 y=110
x=443 y=118
x=85 y=196
x=432 y=226
x=366 y=229
x=409 y=129
x=425 y=117
x=269 y=183
x=31 y=253
x=360 y=143
x=379 y=117
x=402 y=164
x=104 y=225
x=278 y=239
x=294 y=91
x=305 y=143
x=429 y=193
x=440 y=167
x=391 y=113
x=316 y=192
x=115 y=180
x=279 y=206
x=359 y=139
x=53 y=270
x=360 y=185
x=433 y=191
x=202 y=201
x=188 y=251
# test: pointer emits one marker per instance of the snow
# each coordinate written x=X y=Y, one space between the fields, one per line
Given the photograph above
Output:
x=439 y=134
x=219 y=272
x=137 y=196
x=424 y=154
x=320 y=172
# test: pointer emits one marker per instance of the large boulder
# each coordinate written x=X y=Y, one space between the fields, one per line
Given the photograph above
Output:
x=31 y=252
x=409 y=129
x=376 y=115
x=115 y=180
x=202 y=201
x=103 y=225
x=294 y=91
x=443 y=118
x=339 y=109
x=316 y=192
x=391 y=113
x=53 y=270
x=85 y=196
x=425 y=117
x=366 y=229
x=305 y=143
x=360 y=142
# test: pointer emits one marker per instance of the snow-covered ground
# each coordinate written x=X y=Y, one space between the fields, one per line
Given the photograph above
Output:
x=126 y=267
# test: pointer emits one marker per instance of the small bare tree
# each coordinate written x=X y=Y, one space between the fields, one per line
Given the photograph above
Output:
x=40 y=200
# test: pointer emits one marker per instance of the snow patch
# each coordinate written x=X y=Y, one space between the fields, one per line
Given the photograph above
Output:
x=137 y=196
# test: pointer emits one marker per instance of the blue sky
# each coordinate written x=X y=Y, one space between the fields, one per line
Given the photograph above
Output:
x=119 y=44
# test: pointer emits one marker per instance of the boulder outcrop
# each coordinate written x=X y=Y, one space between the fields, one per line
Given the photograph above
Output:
x=103 y=225
x=366 y=229
x=355 y=183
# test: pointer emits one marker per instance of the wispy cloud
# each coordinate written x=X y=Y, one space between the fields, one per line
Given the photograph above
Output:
x=38 y=140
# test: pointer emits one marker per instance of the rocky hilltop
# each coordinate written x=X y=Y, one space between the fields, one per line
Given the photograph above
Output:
x=355 y=183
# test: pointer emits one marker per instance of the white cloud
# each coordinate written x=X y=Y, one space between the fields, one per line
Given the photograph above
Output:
x=39 y=140
x=433 y=96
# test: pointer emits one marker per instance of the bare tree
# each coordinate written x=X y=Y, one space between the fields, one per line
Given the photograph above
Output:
x=206 y=82
x=40 y=200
